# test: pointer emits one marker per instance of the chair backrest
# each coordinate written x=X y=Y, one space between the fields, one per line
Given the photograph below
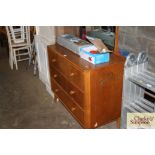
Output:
x=18 y=34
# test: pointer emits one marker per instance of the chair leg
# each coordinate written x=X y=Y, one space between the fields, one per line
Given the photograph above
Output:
x=30 y=55
x=11 y=59
x=15 y=59
x=19 y=55
x=35 y=65
x=118 y=123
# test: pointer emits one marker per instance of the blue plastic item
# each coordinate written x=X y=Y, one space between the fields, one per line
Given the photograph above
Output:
x=124 y=53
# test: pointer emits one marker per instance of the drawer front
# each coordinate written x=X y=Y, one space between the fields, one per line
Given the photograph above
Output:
x=68 y=102
x=66 y=68
x=71 y=90
x=76 y=76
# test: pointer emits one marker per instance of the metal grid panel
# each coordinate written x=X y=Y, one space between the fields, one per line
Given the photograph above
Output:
x=137 y=82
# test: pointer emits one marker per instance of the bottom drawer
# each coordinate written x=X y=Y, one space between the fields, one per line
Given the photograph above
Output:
x=68 y=102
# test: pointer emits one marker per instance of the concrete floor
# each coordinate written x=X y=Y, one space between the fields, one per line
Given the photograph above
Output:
x=25 y=103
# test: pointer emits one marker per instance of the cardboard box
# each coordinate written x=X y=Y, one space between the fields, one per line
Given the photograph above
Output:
x=88 y=53
x=98 y=44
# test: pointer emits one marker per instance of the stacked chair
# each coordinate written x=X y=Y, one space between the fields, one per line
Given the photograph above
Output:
x=138 y=87
x=20 y=48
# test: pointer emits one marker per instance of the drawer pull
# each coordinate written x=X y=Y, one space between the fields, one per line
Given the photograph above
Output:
x=53 y=60
x=102 y=82
x=72 y=92
x=72 y=74
x=73 y=109
x=56 y=90
x=55 y=75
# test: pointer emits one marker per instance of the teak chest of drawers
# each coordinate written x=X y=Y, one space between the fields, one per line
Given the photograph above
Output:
x=91 y=93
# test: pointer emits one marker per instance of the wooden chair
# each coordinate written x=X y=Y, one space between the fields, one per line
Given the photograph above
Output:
x=19 y=44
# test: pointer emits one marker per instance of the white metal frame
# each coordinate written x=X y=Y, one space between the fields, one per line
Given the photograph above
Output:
x=45 y=35
x=138 y=81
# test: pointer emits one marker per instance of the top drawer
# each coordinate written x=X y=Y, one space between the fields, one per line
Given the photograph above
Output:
x=66 y=68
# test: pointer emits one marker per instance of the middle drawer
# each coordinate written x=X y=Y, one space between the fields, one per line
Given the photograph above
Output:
x=73 y=92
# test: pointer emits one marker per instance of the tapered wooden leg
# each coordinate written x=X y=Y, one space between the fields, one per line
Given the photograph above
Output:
x=56 y=99
x=118 y=123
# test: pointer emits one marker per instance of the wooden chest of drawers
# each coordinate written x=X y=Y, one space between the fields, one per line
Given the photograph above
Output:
x=91 y=93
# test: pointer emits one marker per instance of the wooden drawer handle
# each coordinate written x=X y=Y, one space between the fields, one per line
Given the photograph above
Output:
x=73 y=109
x=53 y=60
x=102 y=83
x=72 y=74
x=55 y=75
x=56 y=90
x=72 y=92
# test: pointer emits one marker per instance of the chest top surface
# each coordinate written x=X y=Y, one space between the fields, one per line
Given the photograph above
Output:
x=83 y=64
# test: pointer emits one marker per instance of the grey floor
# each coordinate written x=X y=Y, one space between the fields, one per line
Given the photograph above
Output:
x=25 y=103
